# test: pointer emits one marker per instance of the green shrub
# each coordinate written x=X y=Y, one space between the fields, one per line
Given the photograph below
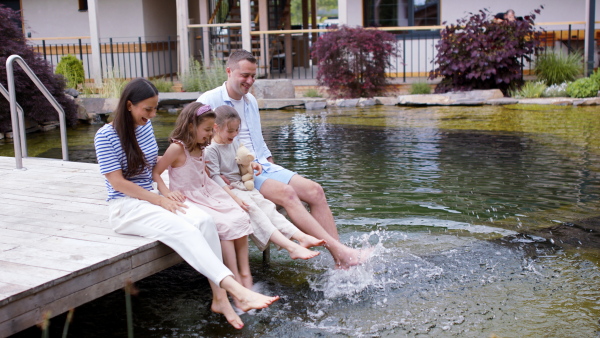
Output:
x=311 y=92
x=555 y=68
x=420 y=88
x=200 y=79
x=530 y=89
x=72 y=70
x=584 y=87
x=163 y=85
x=596 y=76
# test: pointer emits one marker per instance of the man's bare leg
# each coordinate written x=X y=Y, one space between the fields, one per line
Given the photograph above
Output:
x=312 y=193
x=286 y=196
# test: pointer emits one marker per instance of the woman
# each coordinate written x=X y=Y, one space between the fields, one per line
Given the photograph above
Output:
x=127 y=151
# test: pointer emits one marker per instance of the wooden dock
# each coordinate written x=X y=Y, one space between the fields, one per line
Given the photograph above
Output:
x=57 y=250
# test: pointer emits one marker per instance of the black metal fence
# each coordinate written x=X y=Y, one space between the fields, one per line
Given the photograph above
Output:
x=289 y=54
x=117 y=58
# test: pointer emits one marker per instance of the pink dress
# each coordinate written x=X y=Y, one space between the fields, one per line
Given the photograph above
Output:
x=191 y=180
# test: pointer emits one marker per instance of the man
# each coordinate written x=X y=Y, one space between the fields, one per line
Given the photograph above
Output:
x=280 y=185
x=509 y=16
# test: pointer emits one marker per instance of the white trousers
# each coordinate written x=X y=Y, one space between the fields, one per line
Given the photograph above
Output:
x=192 y=235
x=264 y=217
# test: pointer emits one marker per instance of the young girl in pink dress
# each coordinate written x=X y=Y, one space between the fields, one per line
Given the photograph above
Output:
x=188 y=179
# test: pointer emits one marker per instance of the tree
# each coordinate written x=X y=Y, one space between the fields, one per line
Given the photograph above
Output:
x=353 y=61
x=476 y=53
x=33 y=102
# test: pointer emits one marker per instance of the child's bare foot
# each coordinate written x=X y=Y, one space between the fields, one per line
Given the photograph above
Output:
x=248 y=300
x=297 y=251
x=308 y=241
x=224 y=307
x=353 y=257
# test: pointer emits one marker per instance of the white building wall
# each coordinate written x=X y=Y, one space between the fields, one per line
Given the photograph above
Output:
x=160 y=20
x=554 y=10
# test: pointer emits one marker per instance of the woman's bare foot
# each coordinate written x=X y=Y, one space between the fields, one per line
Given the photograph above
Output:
x=223 y=307
x=249 y=300
x=308 y=241
x=297 y=251
x=353 y=257
x=246 y=299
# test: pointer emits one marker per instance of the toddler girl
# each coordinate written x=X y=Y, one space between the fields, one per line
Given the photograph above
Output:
x=267 y=222
x=188 y=179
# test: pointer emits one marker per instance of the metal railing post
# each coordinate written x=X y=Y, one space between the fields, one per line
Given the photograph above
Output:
x=18 y=122
x=141 y=56
x=170 y=59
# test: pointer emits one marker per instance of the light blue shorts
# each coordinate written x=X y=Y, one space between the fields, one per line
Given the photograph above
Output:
x=283 y=176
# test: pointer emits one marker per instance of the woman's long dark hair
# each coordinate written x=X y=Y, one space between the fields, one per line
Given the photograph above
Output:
x=135 y=91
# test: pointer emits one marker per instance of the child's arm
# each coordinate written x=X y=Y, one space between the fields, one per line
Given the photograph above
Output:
x=174 y=156
x=238 y=200
x=256 y=166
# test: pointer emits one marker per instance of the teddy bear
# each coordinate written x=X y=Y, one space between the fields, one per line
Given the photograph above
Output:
x=244 y=160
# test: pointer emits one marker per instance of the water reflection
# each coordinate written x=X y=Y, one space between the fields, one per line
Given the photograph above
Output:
x=444 y=194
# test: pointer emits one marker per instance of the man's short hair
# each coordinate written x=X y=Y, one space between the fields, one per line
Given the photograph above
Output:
x=239 y=55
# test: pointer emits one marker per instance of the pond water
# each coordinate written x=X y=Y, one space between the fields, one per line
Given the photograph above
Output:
x=445 y=194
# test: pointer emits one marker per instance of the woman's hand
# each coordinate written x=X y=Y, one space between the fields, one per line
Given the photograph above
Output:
x=257 y=167
x=175 y=196
x=171 y=205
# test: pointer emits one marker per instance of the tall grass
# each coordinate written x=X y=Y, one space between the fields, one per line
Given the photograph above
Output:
x=201 y=79
x=163 y=85
x=112 y=86
x=420 y=88
x=530 y=89
x=553 y=68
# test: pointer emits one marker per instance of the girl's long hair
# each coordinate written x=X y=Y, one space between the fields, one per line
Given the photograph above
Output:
x=135 y=91
x=186 y=125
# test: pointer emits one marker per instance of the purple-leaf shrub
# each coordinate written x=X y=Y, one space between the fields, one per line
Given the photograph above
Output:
x=352 y=61
x=476 y=53
x=31 y=99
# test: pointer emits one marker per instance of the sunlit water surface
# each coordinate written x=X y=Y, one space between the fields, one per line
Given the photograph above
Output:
x=442 y=193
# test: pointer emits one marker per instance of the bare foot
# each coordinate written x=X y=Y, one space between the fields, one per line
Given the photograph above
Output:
x=353 y=257
x=224 y=307
x=309 y=241
x=247 y=300
x=297 y=251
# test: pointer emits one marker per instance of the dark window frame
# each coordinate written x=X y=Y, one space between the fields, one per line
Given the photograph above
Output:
x=83 y=5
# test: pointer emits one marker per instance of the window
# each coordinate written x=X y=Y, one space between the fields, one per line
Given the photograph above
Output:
x=402 y=13
x=83 y=5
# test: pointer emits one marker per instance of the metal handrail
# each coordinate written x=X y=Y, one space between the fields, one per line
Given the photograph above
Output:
x=23 y=142
x=17 y=121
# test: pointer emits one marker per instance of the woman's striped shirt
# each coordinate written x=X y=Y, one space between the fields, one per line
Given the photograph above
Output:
x=111 y=156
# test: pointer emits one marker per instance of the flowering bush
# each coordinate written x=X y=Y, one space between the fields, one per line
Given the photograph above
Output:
x=352 y=61
x=33 y=102
x=476 y=53
x=556 y=90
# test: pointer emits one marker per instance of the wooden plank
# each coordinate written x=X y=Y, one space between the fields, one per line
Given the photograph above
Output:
x=21 y=274
x=7 y=289
x=42 y=259
x=33 y=230
x=83 y=296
